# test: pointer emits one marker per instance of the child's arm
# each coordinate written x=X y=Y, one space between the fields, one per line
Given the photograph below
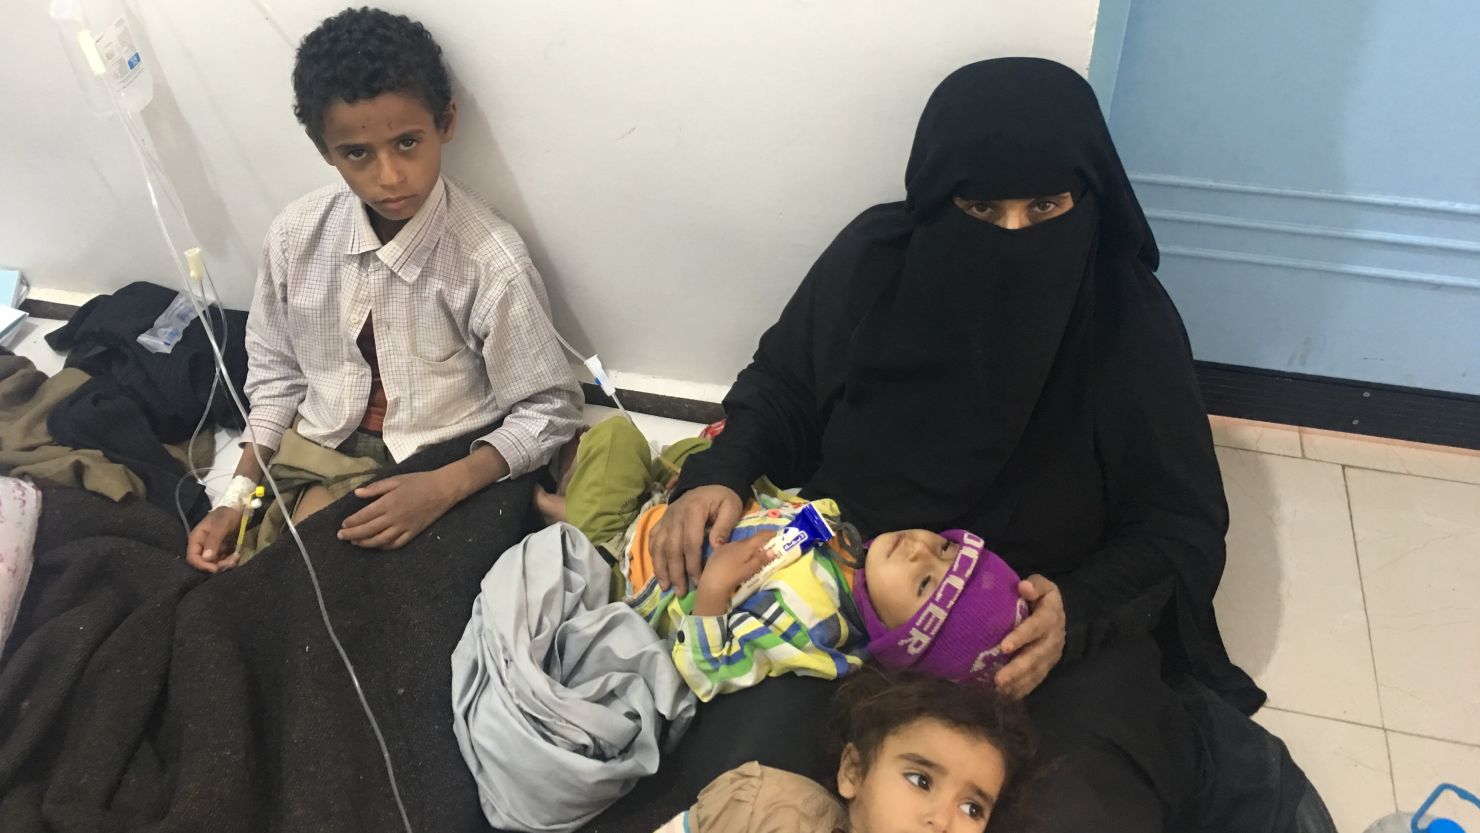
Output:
x=728 y=568
x=732 y=649
x=211 y=544
x=526 y=368
x=407 y=504
x=275 y=385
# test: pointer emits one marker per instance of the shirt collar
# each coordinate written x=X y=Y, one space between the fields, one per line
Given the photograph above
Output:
x=359 y=235
x=407 y=252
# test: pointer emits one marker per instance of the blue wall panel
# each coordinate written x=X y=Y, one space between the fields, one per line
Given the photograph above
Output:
x=1311 y=169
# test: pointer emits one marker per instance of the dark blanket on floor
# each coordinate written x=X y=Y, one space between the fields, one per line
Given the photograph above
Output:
x=137 y=694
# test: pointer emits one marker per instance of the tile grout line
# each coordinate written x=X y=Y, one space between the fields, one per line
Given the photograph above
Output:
x=1450 y=741
x=1280 y=454
x=1346 y=720
x=1387 y=743
x=1399 y=473
x=1351 y=517
x=1360 y=725
x=1305 y=455
x=1357 y=438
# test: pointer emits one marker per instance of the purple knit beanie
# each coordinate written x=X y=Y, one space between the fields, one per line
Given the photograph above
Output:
x=956 y=634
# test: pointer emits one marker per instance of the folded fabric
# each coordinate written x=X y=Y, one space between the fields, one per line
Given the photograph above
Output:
x=300 y=464
x=561 y=700
x=20 y=510
x=139 y=400
x=27 y=448
x=171 y=388
x=101 y=414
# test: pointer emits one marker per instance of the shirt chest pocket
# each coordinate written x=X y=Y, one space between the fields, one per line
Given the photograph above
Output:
x=438 y=327
x=311 y=306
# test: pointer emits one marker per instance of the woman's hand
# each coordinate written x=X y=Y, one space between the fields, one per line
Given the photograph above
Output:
x=678 y=540
x=1037 y=643
x=730 y=565
x=404 y=506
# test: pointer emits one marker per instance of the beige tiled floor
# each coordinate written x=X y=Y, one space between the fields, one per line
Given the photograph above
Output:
x=1352 y=594
x=1291 y=600
x=1420 y=763
x=1347 y=762
x=1257 y=436
x=1394 y=456
x=1418 y=542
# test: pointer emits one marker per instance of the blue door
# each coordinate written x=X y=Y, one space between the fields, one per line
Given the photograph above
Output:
x=1312 y=170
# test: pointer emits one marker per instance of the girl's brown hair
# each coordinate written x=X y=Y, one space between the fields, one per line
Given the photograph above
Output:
x=873 y=703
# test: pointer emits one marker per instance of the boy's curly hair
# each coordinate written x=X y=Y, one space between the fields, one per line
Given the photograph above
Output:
x=873 y=703
x=361 y=53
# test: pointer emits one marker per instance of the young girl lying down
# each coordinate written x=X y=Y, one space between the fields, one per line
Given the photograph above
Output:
x=935 y=602
x=915 y=753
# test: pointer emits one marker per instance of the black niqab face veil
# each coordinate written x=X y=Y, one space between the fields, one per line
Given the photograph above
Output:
x=949 y=365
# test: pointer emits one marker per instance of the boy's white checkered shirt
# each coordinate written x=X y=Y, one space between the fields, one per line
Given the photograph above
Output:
x=462 y=330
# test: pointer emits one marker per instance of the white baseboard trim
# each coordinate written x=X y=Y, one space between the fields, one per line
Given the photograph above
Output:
x=49 y=295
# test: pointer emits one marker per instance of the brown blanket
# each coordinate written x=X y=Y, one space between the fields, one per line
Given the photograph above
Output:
x=136 y=694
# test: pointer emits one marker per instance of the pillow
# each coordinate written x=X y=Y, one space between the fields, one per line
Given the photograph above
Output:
x=20 y=509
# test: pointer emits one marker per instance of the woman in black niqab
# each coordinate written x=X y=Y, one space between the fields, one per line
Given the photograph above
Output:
x=1034 y=385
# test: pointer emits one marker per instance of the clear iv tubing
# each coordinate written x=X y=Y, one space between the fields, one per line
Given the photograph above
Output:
x=144 y=151
x=601 y=380
x=154 y=170
x=206 y=411
x=266 y=9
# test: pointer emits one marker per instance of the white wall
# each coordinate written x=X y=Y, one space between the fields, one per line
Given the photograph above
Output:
x=675 y=166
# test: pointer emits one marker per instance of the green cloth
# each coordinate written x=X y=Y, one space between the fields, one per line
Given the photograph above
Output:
x=615 y=474
x=301 y=464
x=27 y=396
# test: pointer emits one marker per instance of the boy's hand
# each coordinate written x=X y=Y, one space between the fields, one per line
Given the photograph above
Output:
x=213 y=541
x=1037 y=643
x=729 y=566
x=406 y=505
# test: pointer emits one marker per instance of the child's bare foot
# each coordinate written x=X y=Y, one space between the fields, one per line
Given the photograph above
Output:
x=551 y=507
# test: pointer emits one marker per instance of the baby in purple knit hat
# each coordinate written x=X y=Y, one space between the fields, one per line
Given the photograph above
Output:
x=934 y=604
x=938 y=604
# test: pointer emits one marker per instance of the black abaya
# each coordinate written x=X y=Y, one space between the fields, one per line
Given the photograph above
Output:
x=1035 y=387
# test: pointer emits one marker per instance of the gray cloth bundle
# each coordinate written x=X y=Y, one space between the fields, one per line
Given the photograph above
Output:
x=561 y=700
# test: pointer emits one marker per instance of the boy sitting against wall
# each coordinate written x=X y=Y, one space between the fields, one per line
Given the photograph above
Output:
x=392 y=312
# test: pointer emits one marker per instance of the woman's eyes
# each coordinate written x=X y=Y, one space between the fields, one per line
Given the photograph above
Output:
x=987 y=209
x=919 y=779
x=924 y=585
